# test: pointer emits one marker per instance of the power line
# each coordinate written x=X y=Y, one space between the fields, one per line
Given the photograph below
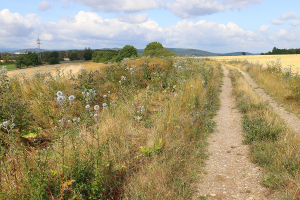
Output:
x=39 y=48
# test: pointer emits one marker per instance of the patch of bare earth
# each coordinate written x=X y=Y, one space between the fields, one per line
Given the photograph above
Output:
x=291 y=119
x=229 y=172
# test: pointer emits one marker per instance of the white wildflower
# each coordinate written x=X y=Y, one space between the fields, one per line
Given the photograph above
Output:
x=59 y=93
x=61 y=99
x=72 y=98
x=104 y=104
x=5 y=123
x=96 y=107
x=87 y=106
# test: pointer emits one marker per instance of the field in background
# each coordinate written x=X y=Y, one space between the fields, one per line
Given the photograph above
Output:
x=292 y=60
x=66 y=67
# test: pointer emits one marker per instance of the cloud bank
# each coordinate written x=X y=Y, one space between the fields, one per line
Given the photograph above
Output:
x=90 y=29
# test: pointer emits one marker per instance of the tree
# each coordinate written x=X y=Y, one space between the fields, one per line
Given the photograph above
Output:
x=88 y=53
x=73 y=56
x=153 y=46
x=156 y=49
x=104 y=56
x=27 y=59
x=244 y=53
x=126 y=52
x=53 y=58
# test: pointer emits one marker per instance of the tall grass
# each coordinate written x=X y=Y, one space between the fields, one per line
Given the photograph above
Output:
x=273 y=145
x=135 y=130
x=280 y=83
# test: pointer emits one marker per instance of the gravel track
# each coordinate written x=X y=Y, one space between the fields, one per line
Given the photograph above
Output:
x=229 y=172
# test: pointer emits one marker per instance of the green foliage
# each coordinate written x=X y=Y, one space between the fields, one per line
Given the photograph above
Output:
x=156 y=49
x=156 y=148
x=53 y=61
x=53 y=58
x=27 y=59
x=73 y=56
x=54 y=54
x=153 y=46
x=277 y=51
x=260 y=129
x=87 y=54
x=159 y=52
x=126 y=52
x=104 y=56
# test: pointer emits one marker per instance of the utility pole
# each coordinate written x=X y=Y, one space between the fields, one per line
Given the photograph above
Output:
x=39 y=48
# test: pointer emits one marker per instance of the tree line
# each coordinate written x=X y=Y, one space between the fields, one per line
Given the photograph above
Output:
x=103 y=56
x=277 y=51
x=128 y=51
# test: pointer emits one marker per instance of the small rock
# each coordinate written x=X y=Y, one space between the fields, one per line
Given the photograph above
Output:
x=213 y=195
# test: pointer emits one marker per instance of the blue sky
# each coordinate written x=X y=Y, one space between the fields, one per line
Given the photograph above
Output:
x=217 y=26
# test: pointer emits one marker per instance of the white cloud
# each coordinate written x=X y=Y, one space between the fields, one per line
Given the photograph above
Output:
x=44 y=5
x=13 y=24
x=240 y=3
x=282 y=32
x=264 y=28
x=134 y=19
x=118 y=5
x=46 y=36
x=90 y=29
x=295 y=23
x=276 y=22
x=288 y=15
x=193 y=8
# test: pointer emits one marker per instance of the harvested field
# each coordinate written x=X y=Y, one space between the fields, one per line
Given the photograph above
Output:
x=66 y=67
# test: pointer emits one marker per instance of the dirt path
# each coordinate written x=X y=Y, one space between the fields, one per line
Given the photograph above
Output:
x=291 y=119
x=230 y=174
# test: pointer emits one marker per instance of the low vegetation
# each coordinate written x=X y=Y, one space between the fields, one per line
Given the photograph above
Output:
x=135 y=130
x=279 y=82
x=273 y=145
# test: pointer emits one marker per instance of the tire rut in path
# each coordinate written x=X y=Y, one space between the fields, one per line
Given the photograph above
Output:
x=291 y=119
x=230 y=174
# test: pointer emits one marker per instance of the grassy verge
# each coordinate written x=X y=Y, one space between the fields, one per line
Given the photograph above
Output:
x=10 y=66
x=281 y=84
x=273 y=146
x=134 y=131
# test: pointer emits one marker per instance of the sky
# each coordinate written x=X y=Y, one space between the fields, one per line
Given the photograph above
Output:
x=218 y=26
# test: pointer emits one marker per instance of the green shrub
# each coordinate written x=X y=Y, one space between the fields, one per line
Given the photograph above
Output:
x=53 y=61
x=73 y=56
x=127 y=52
x=156 y=49
x=104 y=56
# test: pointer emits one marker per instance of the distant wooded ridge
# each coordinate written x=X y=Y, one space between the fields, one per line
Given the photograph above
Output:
x=276 y=51
x=178 y=51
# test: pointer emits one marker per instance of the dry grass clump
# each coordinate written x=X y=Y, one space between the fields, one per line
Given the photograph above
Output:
x=283 y=86
x=131 y=132
x=273 y=145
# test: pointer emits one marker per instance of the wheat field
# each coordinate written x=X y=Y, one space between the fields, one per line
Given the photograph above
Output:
x=287 y=61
